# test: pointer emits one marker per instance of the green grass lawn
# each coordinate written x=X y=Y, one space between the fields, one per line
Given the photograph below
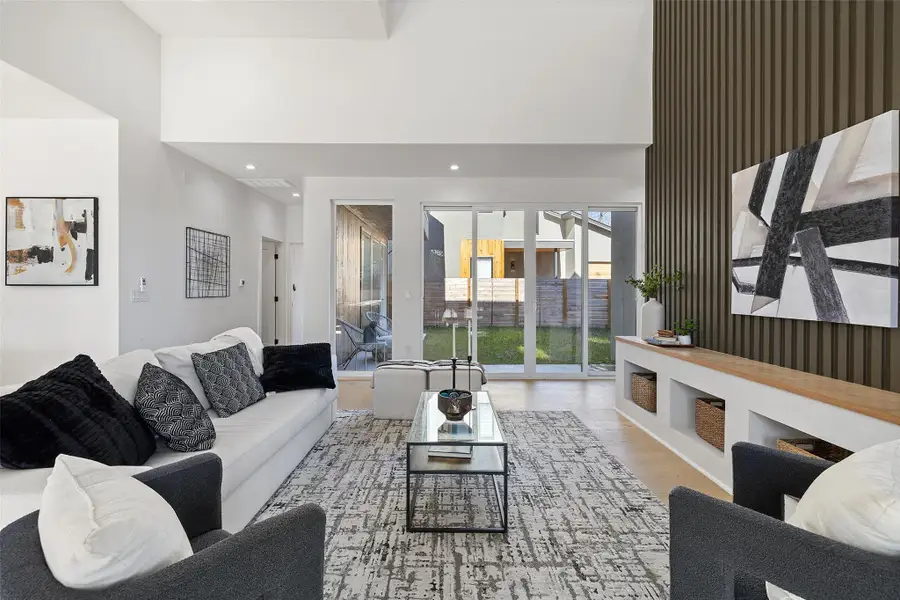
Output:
x=506 y=345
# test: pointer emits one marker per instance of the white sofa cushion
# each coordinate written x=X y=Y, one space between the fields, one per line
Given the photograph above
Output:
x=857 y=502
x=124 y=371
x=20 y=492
x=9 y=389
x=177 y=361
x=251 y=339
x=99 y=526
x=246 y=440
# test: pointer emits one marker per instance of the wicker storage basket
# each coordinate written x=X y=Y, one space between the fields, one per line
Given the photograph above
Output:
x=643 y=390
x=709 y=421
x=814 y=447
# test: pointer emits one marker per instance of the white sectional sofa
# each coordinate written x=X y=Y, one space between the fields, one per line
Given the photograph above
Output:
x=259 y=446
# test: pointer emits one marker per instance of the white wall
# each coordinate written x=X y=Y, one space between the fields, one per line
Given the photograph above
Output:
x=41 y=327
x=408 y=196
x=492 y=71
x=104 y=55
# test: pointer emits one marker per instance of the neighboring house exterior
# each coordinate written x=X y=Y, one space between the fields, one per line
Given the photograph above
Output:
x=501 y=252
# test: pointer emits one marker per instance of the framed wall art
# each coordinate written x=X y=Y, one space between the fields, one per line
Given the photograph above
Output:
x=52 y=241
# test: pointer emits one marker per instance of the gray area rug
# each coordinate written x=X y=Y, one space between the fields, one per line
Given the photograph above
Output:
x=581 y=524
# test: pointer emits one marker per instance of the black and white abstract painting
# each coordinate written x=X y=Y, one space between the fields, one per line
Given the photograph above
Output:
x=815 y=231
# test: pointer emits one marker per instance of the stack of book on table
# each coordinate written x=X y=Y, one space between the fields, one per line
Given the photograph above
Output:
x=455 y=432
x=665 y=337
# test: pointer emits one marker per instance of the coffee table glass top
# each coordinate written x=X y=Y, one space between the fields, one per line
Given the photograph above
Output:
x=479 y=427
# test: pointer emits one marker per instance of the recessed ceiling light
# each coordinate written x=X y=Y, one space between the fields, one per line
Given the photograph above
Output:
x=454 y=167
x=250 y=167
x=296 y=194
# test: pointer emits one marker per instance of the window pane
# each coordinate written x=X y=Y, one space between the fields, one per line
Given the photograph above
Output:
x=501 y=290
x=364 y=328
x=559 y=278
x=611 y=301
x=447 y=288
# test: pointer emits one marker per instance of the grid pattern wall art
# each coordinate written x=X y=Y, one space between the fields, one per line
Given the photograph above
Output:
x=207 y=264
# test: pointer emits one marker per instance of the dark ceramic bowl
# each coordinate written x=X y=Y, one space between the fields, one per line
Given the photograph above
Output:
x=455 y=404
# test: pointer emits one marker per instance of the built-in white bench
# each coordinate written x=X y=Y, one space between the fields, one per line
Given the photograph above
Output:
x=762 y=404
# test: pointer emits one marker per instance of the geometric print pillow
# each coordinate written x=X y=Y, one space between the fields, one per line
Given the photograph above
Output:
x=228 y=379
x=173 y=411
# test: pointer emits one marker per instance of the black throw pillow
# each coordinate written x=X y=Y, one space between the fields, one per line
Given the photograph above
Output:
x=169 y=406
x=72 y=410
x=303 y=367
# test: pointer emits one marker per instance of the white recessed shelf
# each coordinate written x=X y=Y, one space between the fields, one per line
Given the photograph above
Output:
x=683 y=411
x=762 y=404
x=630 y=369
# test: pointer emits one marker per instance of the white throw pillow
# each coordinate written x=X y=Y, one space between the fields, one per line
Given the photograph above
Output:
x=124 y=371
x=251 y=339
x=857 y=502
x=99 y=526
x=177 y=361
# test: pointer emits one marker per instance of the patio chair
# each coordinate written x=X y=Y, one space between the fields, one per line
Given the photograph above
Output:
x=384 y=330
x=383 y=325
x=360 y=346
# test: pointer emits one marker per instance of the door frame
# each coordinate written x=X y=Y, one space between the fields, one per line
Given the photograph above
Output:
x=333 y=274
x=530 y=250
x=280 y=278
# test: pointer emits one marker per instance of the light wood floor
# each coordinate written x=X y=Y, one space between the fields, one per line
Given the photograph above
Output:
x=594 y=403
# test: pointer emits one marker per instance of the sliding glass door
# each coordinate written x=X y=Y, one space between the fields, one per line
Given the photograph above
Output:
x=528 y=291
x=559 y=301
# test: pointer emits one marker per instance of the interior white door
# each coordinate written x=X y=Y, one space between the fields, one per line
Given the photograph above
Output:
x=268 y=293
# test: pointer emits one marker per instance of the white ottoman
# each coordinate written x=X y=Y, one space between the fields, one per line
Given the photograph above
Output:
x=398 y=387
x=397 y=390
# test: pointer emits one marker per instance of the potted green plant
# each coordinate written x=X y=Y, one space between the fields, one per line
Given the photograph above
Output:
x=684 y=330
x=652 y=283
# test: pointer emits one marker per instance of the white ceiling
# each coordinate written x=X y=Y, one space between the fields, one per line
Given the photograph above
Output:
x=356 y=19
x=295 y=162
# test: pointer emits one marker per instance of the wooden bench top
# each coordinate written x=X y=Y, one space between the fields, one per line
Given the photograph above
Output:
x=861 y=399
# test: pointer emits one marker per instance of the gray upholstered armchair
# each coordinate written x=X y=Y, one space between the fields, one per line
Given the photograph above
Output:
x=280 y=558
x=723 y=551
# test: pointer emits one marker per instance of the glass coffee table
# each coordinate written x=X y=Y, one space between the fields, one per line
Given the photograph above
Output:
x=474 y=446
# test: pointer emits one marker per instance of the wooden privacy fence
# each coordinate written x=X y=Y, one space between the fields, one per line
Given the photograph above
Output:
x=501 y=302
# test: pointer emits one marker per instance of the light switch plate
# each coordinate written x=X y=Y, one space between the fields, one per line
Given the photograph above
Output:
x=140 y=296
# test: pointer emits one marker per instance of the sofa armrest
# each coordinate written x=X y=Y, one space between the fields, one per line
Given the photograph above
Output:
x=763 y=476
x=281 y=558
x=193 y=487
x=711 y=540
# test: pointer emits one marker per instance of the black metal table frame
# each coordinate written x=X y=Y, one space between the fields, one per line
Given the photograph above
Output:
x=412 y=491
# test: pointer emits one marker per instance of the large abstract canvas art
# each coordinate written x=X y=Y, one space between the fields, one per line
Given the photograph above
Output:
x=815 y=231
x=52 y=241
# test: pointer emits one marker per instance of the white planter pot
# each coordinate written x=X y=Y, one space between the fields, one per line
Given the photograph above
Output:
x=684 y=340
x=652 y=318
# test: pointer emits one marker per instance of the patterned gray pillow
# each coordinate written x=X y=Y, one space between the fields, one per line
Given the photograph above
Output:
x=228 y=379
x=172 y=410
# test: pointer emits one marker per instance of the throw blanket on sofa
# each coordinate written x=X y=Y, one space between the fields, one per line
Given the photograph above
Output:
x=429 y=365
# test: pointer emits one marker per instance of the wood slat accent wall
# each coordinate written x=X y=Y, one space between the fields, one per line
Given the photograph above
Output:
x=736 y=82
